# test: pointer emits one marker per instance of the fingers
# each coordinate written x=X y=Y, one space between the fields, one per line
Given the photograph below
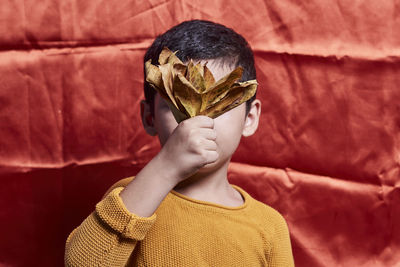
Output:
x=200 y=122
x=199 y=136
x=211 y=157
x=209 y=145
x=206 y=133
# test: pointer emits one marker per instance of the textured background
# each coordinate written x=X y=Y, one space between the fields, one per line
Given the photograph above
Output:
x=327 y=154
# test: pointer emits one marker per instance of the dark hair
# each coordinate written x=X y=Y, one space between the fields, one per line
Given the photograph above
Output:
x=199 y=40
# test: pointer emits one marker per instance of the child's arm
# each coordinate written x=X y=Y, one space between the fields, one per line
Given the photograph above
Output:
x=109 y=235
x=190 y=146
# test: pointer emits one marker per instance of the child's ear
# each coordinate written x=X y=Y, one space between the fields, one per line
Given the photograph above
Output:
x=147 y=118
x=252 y=118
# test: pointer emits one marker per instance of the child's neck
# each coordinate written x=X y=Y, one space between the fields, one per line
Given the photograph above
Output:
x=211 y=187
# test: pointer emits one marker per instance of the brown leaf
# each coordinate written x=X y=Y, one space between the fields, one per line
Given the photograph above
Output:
x=195 y=76
x=168 y=79
x=191 y=90
x=178 y=114
x=180 y=68
x=208 y=77
x=167 y=56
x=221 y=88
x=164 y=56
x=154 y=78
x=187 y=95
x=235 y=97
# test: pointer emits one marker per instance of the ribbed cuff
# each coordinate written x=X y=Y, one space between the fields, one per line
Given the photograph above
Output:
x=113 y=212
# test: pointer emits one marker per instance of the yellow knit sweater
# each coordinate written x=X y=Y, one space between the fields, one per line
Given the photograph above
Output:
x=182 y=232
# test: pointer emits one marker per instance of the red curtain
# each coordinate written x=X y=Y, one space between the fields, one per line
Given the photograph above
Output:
x=326 y=155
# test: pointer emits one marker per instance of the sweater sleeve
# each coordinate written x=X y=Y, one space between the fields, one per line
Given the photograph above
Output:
x=281 y=251
x=107 y=237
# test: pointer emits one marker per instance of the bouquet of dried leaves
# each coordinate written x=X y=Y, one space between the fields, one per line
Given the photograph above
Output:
x=191 y=89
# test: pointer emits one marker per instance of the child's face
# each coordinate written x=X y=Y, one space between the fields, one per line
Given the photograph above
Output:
x=230 y=126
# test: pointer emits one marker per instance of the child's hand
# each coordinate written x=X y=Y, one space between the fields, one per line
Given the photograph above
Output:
x=191 y=146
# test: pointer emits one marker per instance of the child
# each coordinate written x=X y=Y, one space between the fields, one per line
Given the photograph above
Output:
x=180 y=210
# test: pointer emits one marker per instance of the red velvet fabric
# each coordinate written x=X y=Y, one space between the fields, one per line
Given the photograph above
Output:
x=326 y=155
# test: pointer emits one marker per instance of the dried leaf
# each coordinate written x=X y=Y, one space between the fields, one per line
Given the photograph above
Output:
x=235 y=97
x=180 y=68
x=208 y=77
x=173 y=59
x=154 y=78
x=166 y=56
x=195 y=76
x=168 y=80
x=178 y=115
x=187 y=95
x=221 y=88
x=191 y=90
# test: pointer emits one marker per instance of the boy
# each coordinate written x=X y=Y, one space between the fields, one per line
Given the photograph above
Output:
x=180 y=210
